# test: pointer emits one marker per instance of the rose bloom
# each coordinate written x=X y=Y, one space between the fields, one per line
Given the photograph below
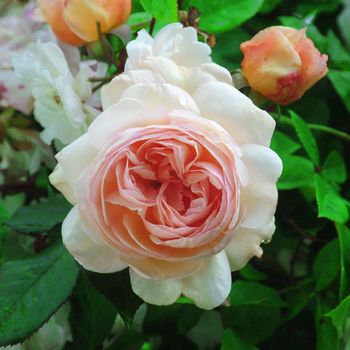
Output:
x=179 y=187
x=75 y=21
x=281 y=63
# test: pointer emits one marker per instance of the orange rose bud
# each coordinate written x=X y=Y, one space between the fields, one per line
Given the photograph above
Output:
x=281 y=63
x=75 y=21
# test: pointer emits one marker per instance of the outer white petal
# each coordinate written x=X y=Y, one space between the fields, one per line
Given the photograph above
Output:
x=161 y=97
x=139 y=105
x=259 y=197
x=73 y=159
x=181 y=45
x=210 y=286
x=59 y=181
x=246 y=243
x=218 y=72
x=110 y=93
x=235 y=112
x=120 y=116
x=163 y=292
x=138 y=50
x=91 y=255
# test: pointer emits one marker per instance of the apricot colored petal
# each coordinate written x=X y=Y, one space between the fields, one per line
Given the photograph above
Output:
x=82 y=16
x=53 y=13
x=268 y=57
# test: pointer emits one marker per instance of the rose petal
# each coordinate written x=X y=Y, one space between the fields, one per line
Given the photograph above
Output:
x=235 y=112
x=155 y=292
x=210 y=286
x=73 y=160
x=91 y=255
x=245 y=244
x=111 y=92
x=259 y=198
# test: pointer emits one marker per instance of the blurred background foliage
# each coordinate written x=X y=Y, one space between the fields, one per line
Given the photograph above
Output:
x=297 y=296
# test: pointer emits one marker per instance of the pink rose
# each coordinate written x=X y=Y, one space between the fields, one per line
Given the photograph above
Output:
x=281 y=63
x=179 y=188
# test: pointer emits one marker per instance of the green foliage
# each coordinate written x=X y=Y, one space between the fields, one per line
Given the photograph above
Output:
x=163 y=10
x=92 y=316
x=334 y=169
x=296 y=296
x=341 y=83
x=251 y=304
x=326 y=265
x=117 y=289
x=32 y=290
x=40 y=217
x=306 y=138
x=330 y=204
x=222 y=15
x=292 y=177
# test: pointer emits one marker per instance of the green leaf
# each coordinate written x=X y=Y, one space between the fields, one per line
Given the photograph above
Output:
x=249 y=272
x=139 y=20
x=254 y=304
x=249 y=293
x=232 y=341
x=340 y=315
x=208 y=331
x=341 y=84
x=163 y=10
x=327 y=335
x=117 y=289
x=334 y=169
x=306 y=137
x=283 y=144
x=344 y=245
x=92 y=316
x=269 y=5
x=292 y=177
x=326 y=265
x=222 y=15
x=229 y=56
x=343 y=24
x=40 y=217
x=330 y=204
x=31 y=290
x=339 y=56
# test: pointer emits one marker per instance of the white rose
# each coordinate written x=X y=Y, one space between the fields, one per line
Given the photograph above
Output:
x=60 y=98
x=179 y=186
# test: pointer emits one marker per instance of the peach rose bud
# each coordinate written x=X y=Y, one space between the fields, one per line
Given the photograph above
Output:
x=281 y=63
x=75 y=21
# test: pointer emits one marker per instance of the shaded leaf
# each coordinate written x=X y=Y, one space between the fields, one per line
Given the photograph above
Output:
x=117 y=289
x=326 y=265
x=92 y=316
x=31 y=290
x=40 y=217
